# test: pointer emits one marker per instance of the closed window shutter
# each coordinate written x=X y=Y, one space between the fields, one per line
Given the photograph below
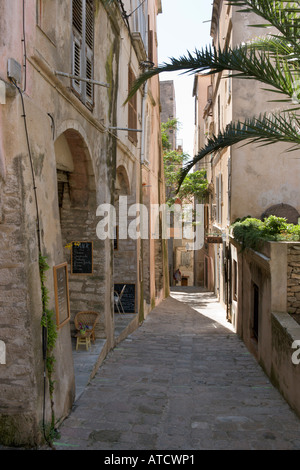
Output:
x=89 y=41
x=150 y=42
x=76 y=65
x=132 y=109
x=217 y=199
x=77 y=13
x=220 y=197
x=83 y=48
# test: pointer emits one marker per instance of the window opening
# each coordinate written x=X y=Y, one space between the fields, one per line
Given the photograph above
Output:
x=234 y=280
x=255 y=310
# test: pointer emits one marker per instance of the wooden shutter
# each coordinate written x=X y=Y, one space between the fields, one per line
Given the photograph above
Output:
x=89 y=44
x=132 y=109
x=220 y=197
x=83 y=48
x=77 y=17
x=150 y=42
x=217 y=199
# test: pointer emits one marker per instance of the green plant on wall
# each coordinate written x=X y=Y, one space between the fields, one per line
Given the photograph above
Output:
x=49 y=327
x=252 y=233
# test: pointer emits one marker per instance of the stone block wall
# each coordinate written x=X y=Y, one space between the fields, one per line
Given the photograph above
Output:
x=293 y=279
x=87 y=292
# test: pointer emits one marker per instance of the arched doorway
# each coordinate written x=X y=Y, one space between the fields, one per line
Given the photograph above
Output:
x=77 y=208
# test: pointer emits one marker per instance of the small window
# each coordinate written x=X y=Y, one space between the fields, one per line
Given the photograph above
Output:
x=234 y=280
x=132 y=110
x=116 y=238
x=62 y=187
x=83 y=49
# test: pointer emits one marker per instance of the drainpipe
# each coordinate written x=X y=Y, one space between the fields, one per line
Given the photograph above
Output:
x=140 y=279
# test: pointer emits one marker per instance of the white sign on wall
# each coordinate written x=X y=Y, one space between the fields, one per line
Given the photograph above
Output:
x=2 y=92
x=2 y=353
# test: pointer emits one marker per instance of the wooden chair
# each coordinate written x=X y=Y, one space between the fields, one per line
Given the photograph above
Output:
x=87 y=319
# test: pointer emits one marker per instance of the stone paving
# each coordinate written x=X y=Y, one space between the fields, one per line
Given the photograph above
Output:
x=182 y=381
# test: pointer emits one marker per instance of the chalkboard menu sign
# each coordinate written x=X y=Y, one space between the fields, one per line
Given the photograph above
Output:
x=61 y=290
x=82 y=258
x=128 y=297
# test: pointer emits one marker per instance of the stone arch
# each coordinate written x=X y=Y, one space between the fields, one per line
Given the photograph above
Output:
x=283 y=210
x=72 y=125
x=77 y=207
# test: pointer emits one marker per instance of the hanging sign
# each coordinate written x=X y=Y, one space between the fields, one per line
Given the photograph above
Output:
x=214 y=239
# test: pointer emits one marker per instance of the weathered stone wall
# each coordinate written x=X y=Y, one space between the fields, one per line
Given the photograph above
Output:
x=51 y=109
x=275 y=272
x=293 y=282
x=18 y=396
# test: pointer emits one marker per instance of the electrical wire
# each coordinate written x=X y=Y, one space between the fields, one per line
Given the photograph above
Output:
x=31 y=162
x=24 y=49
x=44 y=336
x=127 y=16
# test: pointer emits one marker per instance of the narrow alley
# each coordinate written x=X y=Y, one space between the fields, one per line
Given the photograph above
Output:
x=182 y=381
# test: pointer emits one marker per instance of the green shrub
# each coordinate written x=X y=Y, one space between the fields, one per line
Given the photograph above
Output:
x=251 y=232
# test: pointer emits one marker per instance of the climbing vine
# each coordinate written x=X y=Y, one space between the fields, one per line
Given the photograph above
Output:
x=50 y=336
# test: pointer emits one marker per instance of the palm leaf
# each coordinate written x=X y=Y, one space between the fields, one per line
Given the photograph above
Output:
x=277 y=46
x=284 y=16
x=264 y=130
x=246 y=61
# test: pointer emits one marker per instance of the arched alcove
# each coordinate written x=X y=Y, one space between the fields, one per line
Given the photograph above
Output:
x=283 y=210
x=122 y=185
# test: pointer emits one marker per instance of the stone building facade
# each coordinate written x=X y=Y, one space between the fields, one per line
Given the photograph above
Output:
x=244 y=180
x=65 y=72
x=259 y=290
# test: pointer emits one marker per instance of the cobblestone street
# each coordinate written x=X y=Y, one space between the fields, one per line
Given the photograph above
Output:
x=182 y=381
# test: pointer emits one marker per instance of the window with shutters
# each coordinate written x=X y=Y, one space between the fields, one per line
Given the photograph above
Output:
x=138 y=19
x=132 y=110
x=83 y=49
x=150 y=42
x=219 y=198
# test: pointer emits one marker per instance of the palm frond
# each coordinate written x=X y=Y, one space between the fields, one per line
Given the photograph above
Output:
x=283 y=15
x=266 y=129
x=277 y=46
x=246 y=61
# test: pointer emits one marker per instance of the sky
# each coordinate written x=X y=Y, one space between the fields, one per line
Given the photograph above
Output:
x=184 y=25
